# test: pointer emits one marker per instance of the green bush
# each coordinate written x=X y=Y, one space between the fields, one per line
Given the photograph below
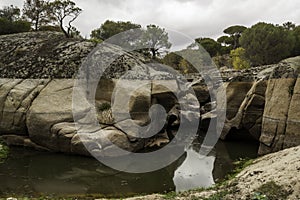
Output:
x=103 y=107
x=10 y=27
x=296 y=33
x=95 y=40
x=50 y=28
x=239 y=60
x=270 y=191
x=3 y=151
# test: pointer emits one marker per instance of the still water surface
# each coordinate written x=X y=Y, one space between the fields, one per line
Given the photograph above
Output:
x=31 y=173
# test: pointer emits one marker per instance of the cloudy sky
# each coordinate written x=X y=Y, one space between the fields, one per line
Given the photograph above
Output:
x=195 y=18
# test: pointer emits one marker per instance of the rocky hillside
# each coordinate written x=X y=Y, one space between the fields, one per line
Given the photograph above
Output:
x=36 y=88
x=49 y=55
x=41 y=55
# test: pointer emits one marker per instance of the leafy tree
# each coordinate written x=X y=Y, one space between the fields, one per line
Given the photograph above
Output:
x=111 y=28
x=210 y=45
x=36 y=12
x=266 y=44
x=296 y=33
x=239 y=60
x=235 y=33
x=226 y=44
x=226 y=40
x=62 y=10
x=289 y=26
x=10 y=21
x=156 y=39
x=11 y=13
x=225 y=50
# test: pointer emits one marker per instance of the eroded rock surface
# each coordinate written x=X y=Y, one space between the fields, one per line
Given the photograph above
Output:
x=264 y=101
x=49 y=55
x=281 y=120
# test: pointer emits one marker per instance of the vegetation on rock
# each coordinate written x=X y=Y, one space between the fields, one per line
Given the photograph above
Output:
x=270 y=191
x=103 y=107
x=11 y=22
x=3 y=151
x=238 y=59
x=110 y=28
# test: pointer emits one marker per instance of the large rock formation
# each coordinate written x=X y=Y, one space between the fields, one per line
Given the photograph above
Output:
x=49 y=55
x=281 y=119
x=269 y=109
x=39 y=112
x=265 y=105
x=37 y=73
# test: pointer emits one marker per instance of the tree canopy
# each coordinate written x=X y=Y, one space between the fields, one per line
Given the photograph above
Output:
x=289 y=26
x=111 y=28
x=296 y=33
x=11 y=13
x=266 y=43
x=10 y=21
x=235 y=33
x=225 y=40
x=156 y=40
x=64 y=10
x=210 y=45
x=41 y=15
x=36 y=12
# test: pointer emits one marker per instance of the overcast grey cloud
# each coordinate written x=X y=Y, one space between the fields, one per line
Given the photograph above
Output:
x=195 y=18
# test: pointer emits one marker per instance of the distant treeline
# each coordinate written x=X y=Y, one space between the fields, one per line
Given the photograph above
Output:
x=261 y=44
x=240 y=47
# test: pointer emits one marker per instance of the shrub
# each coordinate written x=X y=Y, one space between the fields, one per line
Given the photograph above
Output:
x=270 y=191
x=3 y=151
x=95 y=40
x=104 y=106
x=50 y=28
x=9 y=27
x=239 y=60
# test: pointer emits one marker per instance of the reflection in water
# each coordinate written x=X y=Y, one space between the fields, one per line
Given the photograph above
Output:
x=32 y=173
x=195 y=172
